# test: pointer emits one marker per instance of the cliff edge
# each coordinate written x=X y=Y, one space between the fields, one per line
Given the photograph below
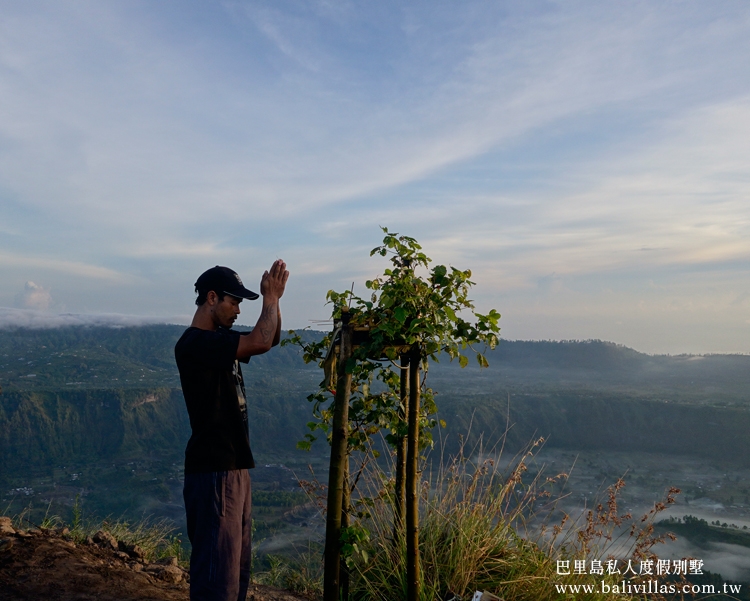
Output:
x=48 y=564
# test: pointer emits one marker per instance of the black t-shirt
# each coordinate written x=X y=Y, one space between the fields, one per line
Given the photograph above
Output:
x=215 y=397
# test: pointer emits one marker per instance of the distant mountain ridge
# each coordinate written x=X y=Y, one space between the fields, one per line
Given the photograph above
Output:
x=94 y=393
x=142 y=357
x=103 y=357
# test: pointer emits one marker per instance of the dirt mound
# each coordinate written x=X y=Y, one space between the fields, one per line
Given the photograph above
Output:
x=49 y=565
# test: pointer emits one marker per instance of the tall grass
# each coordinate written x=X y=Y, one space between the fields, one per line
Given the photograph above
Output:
x=301 y=573
x=479 y=531
x=156 y=537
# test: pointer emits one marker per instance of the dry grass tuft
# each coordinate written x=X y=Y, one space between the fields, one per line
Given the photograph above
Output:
x=479 y=531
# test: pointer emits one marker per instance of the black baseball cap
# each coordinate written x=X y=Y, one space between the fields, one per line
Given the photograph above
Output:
x=223 y=280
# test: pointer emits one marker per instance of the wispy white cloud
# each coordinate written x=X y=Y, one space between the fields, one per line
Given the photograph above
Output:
x=51 y=264
x=35 y=297
x=29 y=318
x=135 y=147
x=679 y=200
x=138 y=148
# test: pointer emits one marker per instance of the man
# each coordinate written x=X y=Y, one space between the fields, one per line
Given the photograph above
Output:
x=218 y=456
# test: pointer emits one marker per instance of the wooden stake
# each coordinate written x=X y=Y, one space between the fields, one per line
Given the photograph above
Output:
x=339 y=458
x=412 y=483
x=399 y=506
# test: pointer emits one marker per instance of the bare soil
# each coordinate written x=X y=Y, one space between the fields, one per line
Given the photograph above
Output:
x=47 y=565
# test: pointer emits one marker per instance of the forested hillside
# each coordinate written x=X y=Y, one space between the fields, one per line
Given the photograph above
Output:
x=605 y=422
x=39 y=430
x=142 y=357
x=104 y=358
x=87 y=394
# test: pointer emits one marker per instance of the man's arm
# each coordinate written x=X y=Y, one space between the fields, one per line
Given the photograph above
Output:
x=277 y=336
x=267 y=331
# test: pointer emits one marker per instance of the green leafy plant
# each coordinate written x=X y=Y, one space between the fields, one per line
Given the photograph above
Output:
x=372 y=361
x=354 y=540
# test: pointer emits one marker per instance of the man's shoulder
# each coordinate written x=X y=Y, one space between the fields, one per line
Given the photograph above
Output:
x=198 y=341
x=189 y=337
x=193 y=334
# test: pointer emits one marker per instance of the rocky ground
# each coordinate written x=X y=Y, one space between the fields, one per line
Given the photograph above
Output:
x=48 y=564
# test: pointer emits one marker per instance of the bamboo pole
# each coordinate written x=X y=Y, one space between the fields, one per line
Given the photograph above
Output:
x=339 y=458
x=412 y=496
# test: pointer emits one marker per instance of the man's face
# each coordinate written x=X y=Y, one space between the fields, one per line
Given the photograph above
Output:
x=226 y=310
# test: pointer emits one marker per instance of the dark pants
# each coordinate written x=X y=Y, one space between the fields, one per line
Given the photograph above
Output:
x=217 y=505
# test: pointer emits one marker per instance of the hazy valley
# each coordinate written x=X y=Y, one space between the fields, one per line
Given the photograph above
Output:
x=94 y=418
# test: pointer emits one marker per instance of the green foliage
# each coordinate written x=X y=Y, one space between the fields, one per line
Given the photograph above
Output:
x=43 y=429
x=88 y=357
x=301 y=573
x=702 y=533
x=100 y=357
x=583 y=419
x=409 y=317
x=589 y=394
x=408 y=309
x=354 y=544
x=278 y=498
x=77 y=522
x=412 y=309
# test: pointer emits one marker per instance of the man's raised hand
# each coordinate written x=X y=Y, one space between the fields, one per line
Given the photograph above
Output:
x=267 y=331
x=273 y=281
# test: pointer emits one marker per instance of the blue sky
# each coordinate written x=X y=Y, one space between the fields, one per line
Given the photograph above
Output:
x=589 y=161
